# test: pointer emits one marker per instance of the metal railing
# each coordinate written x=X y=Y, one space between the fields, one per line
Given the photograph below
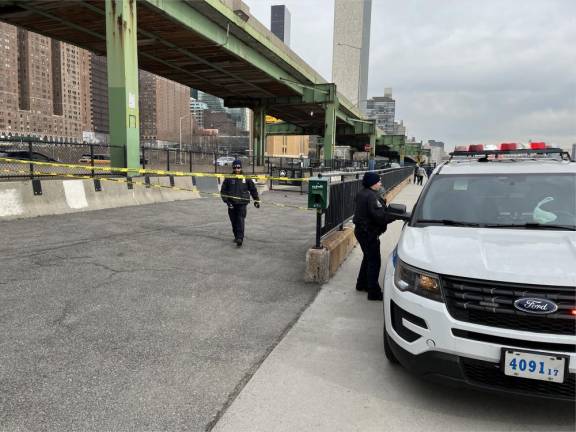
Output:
x=343 y=190
x=86 y=159
x=298 y=168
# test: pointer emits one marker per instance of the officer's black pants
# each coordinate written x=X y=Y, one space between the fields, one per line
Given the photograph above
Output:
x=237 y=216
x=370 y=268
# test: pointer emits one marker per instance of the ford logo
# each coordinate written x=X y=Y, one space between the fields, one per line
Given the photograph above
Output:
x=535 y=305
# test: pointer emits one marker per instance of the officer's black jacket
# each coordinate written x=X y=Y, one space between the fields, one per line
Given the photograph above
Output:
x=239 y=188
x=370 y=215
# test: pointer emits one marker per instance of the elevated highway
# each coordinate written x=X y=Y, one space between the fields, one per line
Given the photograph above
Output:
x=212 y=45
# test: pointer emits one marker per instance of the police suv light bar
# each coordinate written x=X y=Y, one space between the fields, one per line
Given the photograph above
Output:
x=536 y=149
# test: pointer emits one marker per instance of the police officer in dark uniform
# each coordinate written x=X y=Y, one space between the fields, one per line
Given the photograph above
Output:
x=236 y=192
x=370 y=220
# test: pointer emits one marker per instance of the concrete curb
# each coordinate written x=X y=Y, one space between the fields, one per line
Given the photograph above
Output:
x=322 y=264
x=17 y=199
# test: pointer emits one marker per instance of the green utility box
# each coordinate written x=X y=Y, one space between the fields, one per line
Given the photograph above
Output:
x=318 y=193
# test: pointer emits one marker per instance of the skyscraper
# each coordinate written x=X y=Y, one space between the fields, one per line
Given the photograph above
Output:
x=351 y=48
x=280 y=23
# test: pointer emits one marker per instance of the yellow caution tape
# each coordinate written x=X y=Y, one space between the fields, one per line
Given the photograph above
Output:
x=262 y=177
x=149 y=185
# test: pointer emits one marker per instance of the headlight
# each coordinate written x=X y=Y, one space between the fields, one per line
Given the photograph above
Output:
x=419 y=282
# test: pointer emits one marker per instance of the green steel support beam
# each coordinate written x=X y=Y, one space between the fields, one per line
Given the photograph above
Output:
x=285 y=129
x=259 y=133
x=317 y=94
x=330 y=129
x=122 y=53
x=373 y=137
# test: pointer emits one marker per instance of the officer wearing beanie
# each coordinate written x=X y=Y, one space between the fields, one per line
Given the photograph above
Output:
x=236 y=192
x=370 y=220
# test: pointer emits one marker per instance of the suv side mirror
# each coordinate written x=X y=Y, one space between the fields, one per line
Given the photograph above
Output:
x=398 y=212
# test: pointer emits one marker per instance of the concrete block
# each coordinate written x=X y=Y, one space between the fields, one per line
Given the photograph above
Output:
x=317 y=266
x=339 y=244
x=17 y=199
x=322 y=264
x=207 y=184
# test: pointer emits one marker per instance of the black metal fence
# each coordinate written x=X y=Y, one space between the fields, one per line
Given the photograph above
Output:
x=87 y=158
x=299 y=168
x=343 y=196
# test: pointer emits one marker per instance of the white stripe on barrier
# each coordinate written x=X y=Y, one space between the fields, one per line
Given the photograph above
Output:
x=75 y=194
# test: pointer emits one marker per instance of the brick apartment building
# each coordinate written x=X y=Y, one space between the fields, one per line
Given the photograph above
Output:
x=44 y=86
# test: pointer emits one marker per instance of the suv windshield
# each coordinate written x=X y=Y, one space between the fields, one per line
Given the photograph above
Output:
x=535 y=201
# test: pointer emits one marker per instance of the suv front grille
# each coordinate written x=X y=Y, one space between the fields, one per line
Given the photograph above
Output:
x=492 y=304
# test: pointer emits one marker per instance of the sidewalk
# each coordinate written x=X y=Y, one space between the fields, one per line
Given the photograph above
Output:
x=330 y=374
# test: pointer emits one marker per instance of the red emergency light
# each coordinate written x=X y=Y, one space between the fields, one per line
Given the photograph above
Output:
x=508 y=146
x=476 y=147
x=537 y=145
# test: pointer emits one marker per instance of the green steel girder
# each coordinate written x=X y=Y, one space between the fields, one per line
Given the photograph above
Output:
x=259 y=134
x=320 y=93
x=183 y=14
x=284 y=129
x=346 y=107
x=317 y=94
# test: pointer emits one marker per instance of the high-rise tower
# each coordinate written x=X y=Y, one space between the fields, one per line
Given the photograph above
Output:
x=280 y=23
x=351 y=49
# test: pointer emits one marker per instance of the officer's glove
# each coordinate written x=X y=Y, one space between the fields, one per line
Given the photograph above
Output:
x=257 y=204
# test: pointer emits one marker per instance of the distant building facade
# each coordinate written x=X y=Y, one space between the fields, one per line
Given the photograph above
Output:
x=99 y=93
x=280 y=23
x=164 y=111
x=383 y=110
x=197 y=109
x=44 y=86
x=437 y=152
x=222 y=121
x=350 y=54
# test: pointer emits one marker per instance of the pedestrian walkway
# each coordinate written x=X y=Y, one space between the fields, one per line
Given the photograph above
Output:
x=330 y=374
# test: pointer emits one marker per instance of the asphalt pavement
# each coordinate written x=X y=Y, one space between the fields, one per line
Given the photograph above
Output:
x=144 y=318
x=329 y=374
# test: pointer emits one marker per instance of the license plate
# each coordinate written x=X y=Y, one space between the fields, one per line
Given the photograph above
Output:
x=538 y=366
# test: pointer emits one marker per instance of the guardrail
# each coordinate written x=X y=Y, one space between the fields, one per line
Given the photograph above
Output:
x=343 y=189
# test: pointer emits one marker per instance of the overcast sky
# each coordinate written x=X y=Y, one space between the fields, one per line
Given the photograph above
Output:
x=462 y=71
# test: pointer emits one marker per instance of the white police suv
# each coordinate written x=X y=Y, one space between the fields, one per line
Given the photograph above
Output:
x=481 y=288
